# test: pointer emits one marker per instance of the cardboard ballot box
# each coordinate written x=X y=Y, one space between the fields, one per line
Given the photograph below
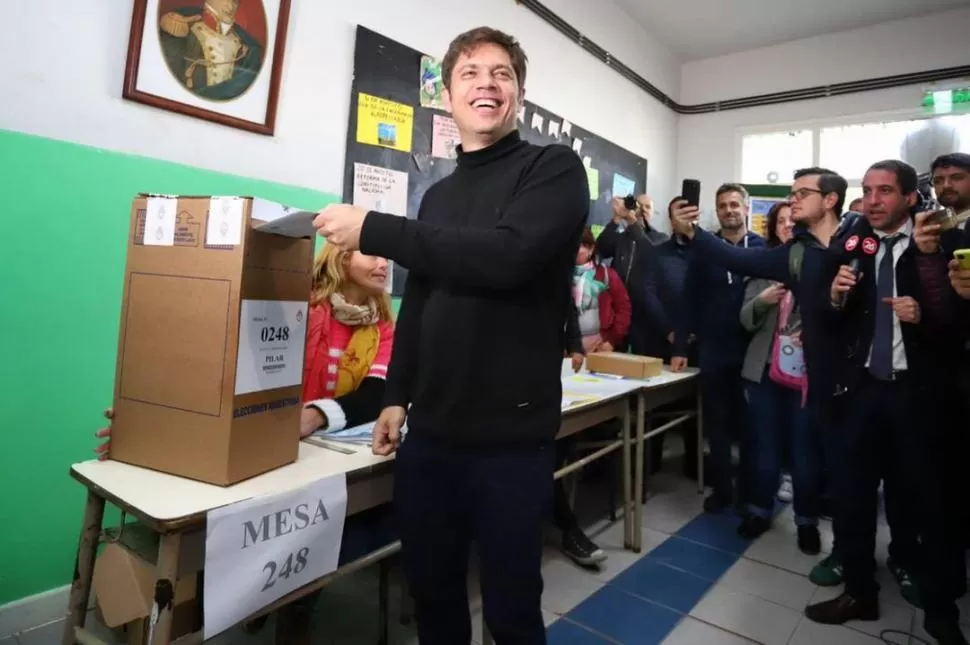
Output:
x=629 y=365
x=213 y=329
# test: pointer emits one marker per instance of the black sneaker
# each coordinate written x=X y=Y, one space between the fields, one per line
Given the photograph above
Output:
x=752 y=527
x=809 y=540
x=580 y=549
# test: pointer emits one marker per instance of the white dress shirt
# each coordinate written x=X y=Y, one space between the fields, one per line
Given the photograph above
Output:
x=905 y=234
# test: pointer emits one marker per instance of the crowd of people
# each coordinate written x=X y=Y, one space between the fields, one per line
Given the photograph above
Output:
x=833 y=352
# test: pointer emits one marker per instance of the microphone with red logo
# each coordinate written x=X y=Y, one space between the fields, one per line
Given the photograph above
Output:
x=855 y=247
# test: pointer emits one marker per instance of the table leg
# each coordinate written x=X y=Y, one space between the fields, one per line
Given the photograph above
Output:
x=77 y=605
x=627 y=479
x=166 y=575
x=384 y=585
x=638 y=484
x=700 y=442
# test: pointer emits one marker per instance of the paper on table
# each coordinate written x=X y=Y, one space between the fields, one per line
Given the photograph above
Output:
x=380 y=189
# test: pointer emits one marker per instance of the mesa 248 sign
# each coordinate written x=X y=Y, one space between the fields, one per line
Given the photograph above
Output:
x=259 y=550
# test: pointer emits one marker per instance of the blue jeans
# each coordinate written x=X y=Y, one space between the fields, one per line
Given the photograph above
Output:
x=776 y=411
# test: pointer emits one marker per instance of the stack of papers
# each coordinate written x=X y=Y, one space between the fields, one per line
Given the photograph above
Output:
x=362 y=434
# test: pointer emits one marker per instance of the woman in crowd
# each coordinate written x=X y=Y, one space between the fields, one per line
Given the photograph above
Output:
x=601 y=305
x=775 y=386
x=350 y=333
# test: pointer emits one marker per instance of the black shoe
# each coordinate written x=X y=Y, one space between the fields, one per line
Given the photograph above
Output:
x=843 y=609
x=752 y=527
x=716 y=503
x=580 y=549
x=809 y=541
x=946 y=632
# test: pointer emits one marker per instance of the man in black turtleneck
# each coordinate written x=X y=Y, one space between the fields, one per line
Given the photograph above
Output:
x=478 y=350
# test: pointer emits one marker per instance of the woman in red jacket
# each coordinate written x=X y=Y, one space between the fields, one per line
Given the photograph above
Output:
x=602 y=305
x=601 y=299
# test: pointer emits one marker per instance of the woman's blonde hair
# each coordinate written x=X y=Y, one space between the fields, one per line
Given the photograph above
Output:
x=330 y=277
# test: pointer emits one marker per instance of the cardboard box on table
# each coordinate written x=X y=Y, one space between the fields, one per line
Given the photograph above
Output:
x=213 y=328
x=628 y=365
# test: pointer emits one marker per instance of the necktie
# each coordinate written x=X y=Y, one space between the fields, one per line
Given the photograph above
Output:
x=881 y=361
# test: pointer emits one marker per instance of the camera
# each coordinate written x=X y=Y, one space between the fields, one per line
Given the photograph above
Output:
x=630 y=203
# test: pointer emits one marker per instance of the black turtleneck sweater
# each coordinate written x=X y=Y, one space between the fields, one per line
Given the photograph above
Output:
x=479 y=341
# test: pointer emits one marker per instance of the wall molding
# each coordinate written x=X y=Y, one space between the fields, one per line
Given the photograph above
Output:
x=773 y=98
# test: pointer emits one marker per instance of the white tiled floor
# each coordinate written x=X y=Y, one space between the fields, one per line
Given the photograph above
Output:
x=759 y=599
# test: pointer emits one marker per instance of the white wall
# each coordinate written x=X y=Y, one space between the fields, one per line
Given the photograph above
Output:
x=73 y=92
x=708 y=144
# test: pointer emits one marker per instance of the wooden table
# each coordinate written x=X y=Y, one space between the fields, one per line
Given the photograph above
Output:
x=172 y=506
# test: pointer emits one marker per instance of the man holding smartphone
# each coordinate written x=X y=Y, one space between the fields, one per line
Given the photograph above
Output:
x=713 y=299
x=628 y=241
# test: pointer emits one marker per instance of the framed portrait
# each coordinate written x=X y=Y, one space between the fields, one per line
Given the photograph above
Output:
x=218 y=60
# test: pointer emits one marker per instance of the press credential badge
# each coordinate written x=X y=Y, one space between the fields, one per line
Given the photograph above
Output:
x=272 y=335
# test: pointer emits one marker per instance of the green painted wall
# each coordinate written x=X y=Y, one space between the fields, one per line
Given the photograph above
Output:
x=64 y=210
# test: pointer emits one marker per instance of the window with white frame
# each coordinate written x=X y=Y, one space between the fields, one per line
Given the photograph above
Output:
x=849 y=149
x=773 y=157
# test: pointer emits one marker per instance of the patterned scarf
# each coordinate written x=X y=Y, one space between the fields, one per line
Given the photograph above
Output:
x=586 y=288
x=354 y=315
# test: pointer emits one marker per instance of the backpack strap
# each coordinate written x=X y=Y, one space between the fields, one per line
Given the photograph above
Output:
x=795 y=257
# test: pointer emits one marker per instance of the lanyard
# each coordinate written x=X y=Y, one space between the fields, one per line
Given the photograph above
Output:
x=729 y=276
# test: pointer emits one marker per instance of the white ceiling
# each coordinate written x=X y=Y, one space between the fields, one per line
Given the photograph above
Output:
x=696 y=29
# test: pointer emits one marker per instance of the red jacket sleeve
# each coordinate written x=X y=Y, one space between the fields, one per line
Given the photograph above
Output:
x=615 y=334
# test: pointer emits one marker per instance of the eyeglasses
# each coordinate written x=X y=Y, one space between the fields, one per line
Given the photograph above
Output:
x=802 y=193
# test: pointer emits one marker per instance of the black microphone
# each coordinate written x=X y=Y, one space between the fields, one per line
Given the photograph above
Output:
x=856 y=246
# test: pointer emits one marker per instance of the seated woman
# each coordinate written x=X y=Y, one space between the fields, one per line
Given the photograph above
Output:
x=778 y=420
x=600 y=320
x=350 y=334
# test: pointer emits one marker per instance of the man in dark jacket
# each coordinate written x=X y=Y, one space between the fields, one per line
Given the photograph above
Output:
x=894 y=328
x=628 y=241
x=713 y=301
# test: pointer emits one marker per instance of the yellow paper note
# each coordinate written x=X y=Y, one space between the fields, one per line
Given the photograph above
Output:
x=593 y=174
x=384 y=123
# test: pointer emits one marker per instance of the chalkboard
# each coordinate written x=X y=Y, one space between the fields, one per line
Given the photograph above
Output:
x=390 y=71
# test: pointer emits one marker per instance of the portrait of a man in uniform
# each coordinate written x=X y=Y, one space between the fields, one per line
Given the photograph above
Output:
x=215 y=48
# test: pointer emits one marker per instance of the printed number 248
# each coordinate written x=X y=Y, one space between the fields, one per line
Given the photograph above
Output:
x=292 y=565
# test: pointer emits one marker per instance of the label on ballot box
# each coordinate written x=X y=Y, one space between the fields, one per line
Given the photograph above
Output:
x=272 y=337
x=264 y=548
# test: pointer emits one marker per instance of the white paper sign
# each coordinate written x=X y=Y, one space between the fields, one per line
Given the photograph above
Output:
x=160 y=215
x=380 y=189
x=224 y=226
x=554 y=129
x=567 y=129
x=259 y=550
x=537 y=122
x=578 y=145
x=272 y=334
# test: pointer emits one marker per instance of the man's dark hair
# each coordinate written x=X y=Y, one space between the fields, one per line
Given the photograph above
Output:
x=465 y=43
x=732 y=188
x=829 y=181
x=959 y=160
x=906 y=176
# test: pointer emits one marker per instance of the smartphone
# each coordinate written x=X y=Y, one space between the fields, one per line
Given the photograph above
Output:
x=963 y=257
x=690 y=190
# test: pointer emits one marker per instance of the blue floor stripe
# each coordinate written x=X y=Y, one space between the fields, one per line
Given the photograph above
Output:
x=645 y=603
